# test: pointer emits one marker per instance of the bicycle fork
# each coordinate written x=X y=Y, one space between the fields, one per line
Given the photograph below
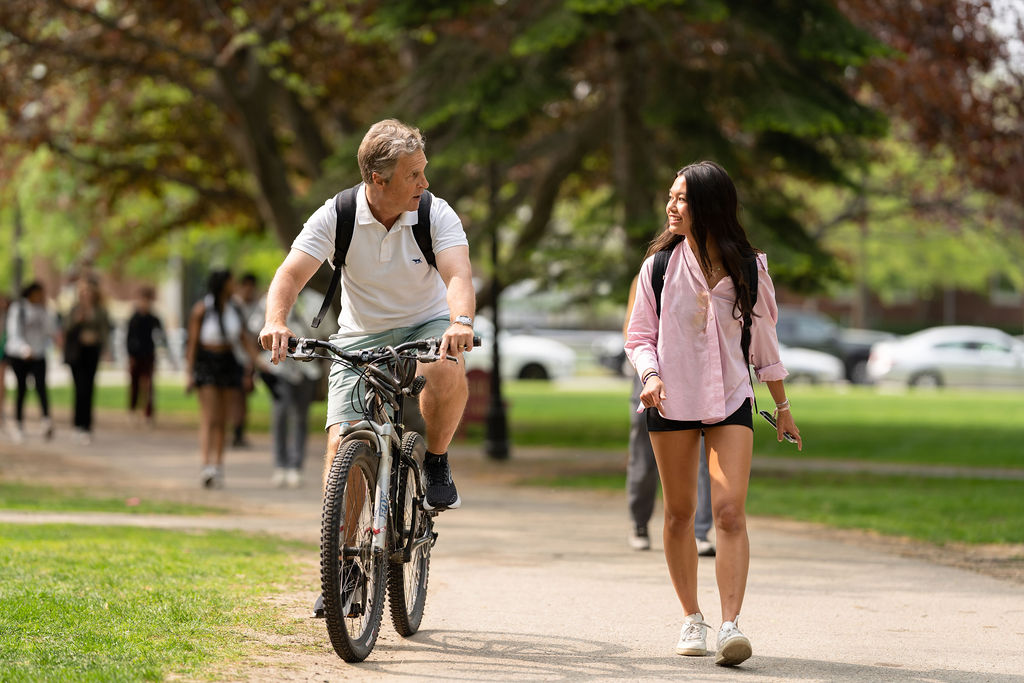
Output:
x=381 y=501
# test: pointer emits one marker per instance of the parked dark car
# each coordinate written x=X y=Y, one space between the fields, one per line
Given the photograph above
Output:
x=815 y=330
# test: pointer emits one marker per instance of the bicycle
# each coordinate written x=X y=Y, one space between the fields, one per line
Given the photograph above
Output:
x=375 y=532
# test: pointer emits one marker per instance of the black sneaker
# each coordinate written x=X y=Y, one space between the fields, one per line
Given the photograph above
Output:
x=441 y=493
x=318 y=607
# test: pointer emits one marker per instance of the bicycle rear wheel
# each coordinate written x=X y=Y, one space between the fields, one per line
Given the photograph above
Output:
x=352 y=574
x=410 y=560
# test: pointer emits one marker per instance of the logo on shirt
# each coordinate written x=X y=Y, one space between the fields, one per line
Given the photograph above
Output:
x=417 y=260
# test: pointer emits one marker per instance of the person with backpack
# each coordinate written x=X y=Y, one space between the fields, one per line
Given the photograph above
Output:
x=30 y=330
x=217 y=350
x=403 y=261
x=694 y=328
x=642 y=474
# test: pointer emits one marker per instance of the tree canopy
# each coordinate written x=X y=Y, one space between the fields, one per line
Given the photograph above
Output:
x=559 y=121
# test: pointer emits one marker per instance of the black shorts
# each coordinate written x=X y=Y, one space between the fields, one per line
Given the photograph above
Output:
x=656 y=423
x=217 y=368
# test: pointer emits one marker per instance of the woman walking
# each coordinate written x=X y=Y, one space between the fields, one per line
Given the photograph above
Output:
x=86 y=332
x=689 y=353
x=30 y=330
x=216 y=339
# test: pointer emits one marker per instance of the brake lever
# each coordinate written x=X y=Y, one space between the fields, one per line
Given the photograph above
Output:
x=301 y=352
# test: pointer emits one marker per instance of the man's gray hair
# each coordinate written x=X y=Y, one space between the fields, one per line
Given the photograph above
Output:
x=384 y=144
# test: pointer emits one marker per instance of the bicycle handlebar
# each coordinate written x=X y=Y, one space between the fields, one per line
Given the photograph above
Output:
x=367 y=356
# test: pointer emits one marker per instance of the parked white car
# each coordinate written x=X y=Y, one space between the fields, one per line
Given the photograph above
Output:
x=810 y=366
x=950 y=356
x=523 y=356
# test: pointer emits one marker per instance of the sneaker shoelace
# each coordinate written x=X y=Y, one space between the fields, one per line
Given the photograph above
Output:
x=693 y=630
x=439 y=473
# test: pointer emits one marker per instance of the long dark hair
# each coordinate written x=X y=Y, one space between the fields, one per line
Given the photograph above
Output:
x=713 y=206
x=216 y=285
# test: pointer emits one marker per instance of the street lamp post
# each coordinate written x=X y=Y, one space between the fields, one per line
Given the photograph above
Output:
x=496 y=442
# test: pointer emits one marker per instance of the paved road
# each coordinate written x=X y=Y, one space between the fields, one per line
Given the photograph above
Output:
x=535 y=584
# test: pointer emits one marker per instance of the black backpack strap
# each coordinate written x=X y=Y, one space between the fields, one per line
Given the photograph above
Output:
x=658 y=276
x=345 y=209
x=750 y=275
x=422 y=229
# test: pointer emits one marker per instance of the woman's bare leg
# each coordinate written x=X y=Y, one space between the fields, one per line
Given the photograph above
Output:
x=729 y=454
x=677 y=453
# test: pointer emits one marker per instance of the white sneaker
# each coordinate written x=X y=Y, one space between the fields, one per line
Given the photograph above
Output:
x=639 y=539
x=733 y=646
x=693 y=639
x=705 y=548
x=17 y=434
x=293 y=479
x=278 y=478
x=208 y=477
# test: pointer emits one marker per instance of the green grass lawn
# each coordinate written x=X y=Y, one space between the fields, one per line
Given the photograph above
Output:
x=20 y=496
x=929 y=509
x=982 y=429
x=968 y=428
x=122 y=604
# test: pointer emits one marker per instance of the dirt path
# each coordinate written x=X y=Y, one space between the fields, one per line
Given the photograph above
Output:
x=535 y=584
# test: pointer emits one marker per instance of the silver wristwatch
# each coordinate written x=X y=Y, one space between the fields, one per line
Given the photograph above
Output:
x=464 y=320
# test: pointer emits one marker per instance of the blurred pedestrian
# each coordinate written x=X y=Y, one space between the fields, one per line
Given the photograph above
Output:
x=216 y=342
x=642 y=474
x=247 y=299
x=4 y=305
x=86 y=333
x=30 y=331
x=717 y=313
x=145 y=331
x=292 y=387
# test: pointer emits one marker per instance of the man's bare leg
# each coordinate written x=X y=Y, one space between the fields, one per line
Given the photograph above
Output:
x=442 y=403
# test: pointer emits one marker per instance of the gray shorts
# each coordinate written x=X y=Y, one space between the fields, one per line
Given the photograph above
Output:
x=342 y=380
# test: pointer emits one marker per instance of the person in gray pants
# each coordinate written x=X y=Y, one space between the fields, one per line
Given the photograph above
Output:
x=642 y=484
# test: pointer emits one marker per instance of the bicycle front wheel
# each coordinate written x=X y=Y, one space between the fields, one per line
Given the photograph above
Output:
x=352 y=573
x=414 y=527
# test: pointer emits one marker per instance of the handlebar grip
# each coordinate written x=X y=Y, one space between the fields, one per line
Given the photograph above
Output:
x=292 y=343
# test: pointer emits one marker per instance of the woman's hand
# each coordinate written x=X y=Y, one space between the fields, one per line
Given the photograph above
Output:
x=653 y=393
x=784 y=420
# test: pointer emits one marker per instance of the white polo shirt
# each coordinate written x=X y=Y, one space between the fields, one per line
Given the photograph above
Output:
x=386 y=282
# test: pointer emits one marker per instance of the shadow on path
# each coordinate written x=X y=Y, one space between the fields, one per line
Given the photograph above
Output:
x=498 y=656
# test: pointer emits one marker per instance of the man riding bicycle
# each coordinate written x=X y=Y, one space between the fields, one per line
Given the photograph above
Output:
x=390 y=292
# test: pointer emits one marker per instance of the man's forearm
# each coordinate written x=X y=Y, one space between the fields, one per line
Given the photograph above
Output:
x=461 y=297
x=281 y=295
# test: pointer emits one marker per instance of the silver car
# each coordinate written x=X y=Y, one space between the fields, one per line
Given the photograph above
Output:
x=523 y=356
x=950 y=356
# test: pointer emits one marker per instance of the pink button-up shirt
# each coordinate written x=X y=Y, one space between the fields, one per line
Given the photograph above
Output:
x=695 y=345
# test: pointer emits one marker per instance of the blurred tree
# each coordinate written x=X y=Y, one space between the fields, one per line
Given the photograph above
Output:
x=598 y=103
x=914 y=225
x=246 y=112
x=223 y=111
x=957 y=81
